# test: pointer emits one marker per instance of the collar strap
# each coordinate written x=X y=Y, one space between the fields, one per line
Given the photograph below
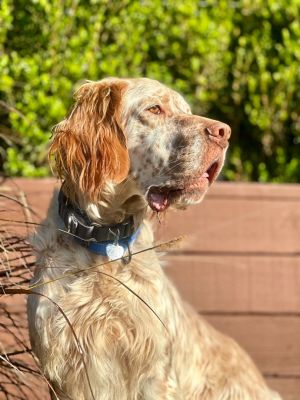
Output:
x=79 y=224
x=114 y=250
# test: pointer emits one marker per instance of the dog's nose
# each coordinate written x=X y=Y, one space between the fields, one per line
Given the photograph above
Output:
x=218 y=131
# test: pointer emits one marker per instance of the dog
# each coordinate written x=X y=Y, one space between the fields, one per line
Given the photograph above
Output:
x=104 y=320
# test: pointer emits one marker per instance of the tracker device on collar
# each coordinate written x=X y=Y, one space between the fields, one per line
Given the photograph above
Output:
x=107 y=240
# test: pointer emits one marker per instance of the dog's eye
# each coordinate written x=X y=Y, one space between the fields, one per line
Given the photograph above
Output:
x=155 y=109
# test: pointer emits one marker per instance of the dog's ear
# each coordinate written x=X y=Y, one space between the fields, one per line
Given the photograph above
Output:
x=89 y=147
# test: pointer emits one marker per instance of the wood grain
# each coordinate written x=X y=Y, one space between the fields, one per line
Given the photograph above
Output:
x=273 y=342
x=225 y=224
x=238 y=283
x=289 y=388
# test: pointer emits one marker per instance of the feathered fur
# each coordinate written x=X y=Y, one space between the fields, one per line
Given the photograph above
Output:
x=140 y=341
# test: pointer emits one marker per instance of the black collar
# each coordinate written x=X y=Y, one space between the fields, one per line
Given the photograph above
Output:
x=78 y=224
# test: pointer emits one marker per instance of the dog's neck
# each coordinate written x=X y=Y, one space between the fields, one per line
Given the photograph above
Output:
x=107 y=227
x=115 y=203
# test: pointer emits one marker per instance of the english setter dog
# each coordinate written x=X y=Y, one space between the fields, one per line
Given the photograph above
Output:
x=128 y=147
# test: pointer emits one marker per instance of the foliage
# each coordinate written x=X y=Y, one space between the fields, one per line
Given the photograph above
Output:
x=233 y=60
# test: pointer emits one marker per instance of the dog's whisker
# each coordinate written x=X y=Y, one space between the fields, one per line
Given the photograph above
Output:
x=169 y=170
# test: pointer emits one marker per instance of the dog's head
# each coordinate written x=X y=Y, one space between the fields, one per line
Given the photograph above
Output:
x=138 y=129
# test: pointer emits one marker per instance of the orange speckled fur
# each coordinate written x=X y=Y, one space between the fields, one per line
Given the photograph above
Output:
x=129 y=353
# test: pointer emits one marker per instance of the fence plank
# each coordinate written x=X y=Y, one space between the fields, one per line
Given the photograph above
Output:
x=222 y=224
x=273 y=342
x=288 y=388
x=238 y=283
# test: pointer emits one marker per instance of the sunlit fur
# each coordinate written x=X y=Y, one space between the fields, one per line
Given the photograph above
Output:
x=90 y=140
x=130 y=353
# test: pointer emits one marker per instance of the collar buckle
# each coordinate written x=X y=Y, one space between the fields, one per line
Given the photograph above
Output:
x=72 y=223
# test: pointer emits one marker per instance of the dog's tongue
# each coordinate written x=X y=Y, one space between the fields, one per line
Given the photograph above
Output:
x=158 y=201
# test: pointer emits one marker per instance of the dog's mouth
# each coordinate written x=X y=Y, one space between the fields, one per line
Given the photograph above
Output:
x=161 y=197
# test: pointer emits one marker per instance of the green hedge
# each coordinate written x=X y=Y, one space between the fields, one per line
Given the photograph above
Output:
x=238 y=61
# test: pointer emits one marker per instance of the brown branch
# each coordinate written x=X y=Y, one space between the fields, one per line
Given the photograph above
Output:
x=10 y=108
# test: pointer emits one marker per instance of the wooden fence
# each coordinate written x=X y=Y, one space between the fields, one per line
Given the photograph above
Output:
x=239 y=266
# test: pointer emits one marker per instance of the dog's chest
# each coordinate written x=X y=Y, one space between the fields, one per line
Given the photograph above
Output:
x=111 y=318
